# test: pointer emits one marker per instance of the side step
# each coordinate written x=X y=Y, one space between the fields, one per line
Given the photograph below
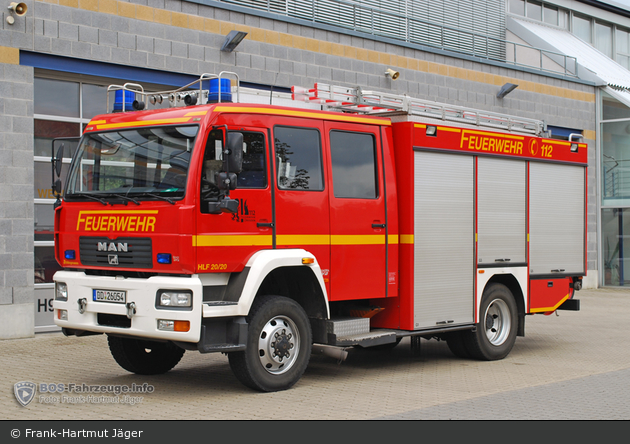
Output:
x=347 y=332
x=370 y=339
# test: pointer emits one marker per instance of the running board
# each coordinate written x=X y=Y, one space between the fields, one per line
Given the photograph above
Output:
x=350 y=331
x=369 y=339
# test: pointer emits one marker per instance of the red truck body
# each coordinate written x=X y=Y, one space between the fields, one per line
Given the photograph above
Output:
x=374 y=227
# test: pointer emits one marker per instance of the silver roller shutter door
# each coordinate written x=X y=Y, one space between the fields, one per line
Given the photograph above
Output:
x=501 y=211
x=556 y=198
x=443 y=239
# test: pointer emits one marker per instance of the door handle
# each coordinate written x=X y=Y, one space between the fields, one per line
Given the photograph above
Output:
x=264 y=224
x=379 y=225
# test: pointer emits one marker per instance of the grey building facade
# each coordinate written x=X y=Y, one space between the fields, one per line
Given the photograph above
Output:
x=57 y=59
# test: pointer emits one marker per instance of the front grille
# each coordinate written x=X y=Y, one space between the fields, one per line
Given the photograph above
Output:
x=123 y=252
x=110 y=320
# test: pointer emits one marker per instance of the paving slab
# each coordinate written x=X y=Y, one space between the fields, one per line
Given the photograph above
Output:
x=574 y=366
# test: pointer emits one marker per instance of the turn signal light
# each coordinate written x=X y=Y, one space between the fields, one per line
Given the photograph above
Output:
x=308 y=260
x=168 y=325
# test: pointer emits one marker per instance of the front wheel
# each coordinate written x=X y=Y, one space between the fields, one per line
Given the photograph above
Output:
x=144 y=357
x=279 y=342
x=496 y=332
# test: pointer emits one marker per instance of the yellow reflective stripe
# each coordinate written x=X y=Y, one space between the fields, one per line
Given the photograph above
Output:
x=294 y=113
x=302 y=239
x=335 y=239
x=143 y=123
x=357 y=239
x=196 y=113
x=556 y=142
x=406 y=238
x=291 y=239
x=97 y=122
x=240 y=240
x=546 y=309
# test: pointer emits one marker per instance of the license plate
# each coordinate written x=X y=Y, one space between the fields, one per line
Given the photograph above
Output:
x=117 y=296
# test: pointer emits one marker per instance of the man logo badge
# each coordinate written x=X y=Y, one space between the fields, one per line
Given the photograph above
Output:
x=112 y=259
x=24 y=392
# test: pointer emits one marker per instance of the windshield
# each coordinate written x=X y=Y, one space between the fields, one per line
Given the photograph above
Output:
x=143 y=163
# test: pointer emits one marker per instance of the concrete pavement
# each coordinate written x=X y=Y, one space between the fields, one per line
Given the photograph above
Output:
x=575 y=366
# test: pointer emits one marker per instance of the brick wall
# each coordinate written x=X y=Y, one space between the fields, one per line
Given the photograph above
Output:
x=16 y=196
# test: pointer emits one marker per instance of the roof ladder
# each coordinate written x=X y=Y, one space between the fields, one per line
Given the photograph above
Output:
x=358 y=100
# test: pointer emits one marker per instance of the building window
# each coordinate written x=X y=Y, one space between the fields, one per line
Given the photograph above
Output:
x=603 y=39
x=582 y=28
x=550 y=15
x=622 y=47
x=516 y=7
x=615 y=177
x=534 y=10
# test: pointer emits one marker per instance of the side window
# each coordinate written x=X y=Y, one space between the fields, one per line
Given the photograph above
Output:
x=299 y=159
x=353 y=157
x=254 y=174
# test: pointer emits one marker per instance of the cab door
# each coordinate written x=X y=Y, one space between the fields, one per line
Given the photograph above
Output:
x=358 y=223
x=301 y=194
x=225 y=241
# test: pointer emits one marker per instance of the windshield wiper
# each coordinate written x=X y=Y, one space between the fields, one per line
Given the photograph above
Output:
x=89 y=196
x=157 y=196
x=122 y=196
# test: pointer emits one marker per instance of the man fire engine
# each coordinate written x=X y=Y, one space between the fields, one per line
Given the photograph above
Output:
x=263 y=231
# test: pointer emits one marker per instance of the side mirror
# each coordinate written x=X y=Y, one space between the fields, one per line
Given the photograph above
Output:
x=58 y=160
x=233 y=161
x=56 y=188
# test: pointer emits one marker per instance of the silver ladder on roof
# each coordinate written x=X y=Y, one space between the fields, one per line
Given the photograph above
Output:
x=358 y=100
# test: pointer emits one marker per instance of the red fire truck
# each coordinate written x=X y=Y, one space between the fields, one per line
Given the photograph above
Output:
x=266 y=232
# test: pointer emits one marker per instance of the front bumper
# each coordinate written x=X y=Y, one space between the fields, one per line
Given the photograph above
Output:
x=102 y=317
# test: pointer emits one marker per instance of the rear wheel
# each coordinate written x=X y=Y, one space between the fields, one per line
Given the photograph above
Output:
x=457 y=343
x=144 y=357
x=279 y=342
x=496 y=332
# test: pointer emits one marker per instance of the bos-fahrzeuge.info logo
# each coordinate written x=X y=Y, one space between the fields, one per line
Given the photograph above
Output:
x=24 y=392
x=55 y=393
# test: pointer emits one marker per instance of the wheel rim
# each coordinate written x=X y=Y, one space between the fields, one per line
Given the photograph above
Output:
x=278 y=345
x=497 y=322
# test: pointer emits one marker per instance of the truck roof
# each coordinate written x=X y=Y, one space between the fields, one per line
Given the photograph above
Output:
x=195 y=114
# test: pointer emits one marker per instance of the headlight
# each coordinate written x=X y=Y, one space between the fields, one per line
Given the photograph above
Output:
x=61 y=291
x=174 y=299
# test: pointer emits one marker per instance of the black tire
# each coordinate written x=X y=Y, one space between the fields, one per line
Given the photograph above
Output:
x=279 y=343
x=498 y=322
x=144 y=357
x=457 y=343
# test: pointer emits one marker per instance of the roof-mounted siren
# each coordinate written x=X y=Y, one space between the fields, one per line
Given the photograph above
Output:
x=208 y=88
x=219 y=87
x=125 y=97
